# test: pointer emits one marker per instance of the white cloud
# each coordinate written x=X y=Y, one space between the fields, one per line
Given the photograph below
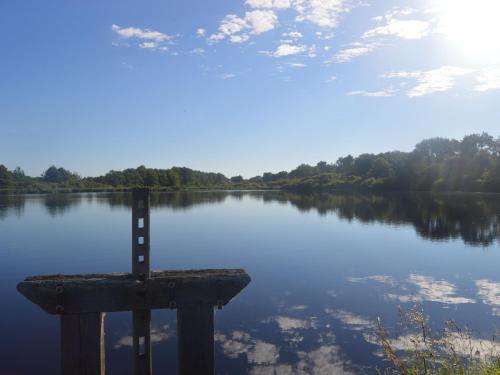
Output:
x=239 y=343
x=134 y=32
x=216 y=37
x=402 y=298
x=325 y=360
x=395 y=12
x=148 y=45
x=323 y=13
x=201 y=32
x=157 y=335
x=287 y=324
x=489 y=292
x=237 y=29
x=407 y=29
x=331 y=79
x=324 y=36
x=488 y=79
x=286 y=49
x=232 y=24
x=149 y=39
x=197 y=51
x=401 y=28
x=261 y=21
x=372 y=94
x=429 y=289
x=296 y=65
x=431 y=81
x=228 y=76
x=354 y=321
x=384 y=279
x=257 y=351
x=263 y=352
x=292 y=35
x=269 y=4
x=264 y=357
x=437 y=290
x=240 y=38
x=357 y=50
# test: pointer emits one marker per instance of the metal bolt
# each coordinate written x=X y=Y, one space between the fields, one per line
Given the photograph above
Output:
x=59 y=289
x=171 y=285
x=172 y=305
x=59 y=308
x=219 y=304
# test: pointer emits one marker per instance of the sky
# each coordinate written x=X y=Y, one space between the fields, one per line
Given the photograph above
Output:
x=240 y=86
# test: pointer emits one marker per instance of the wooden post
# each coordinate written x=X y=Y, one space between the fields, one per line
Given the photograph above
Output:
x=141 y=319
x=82 y=344
x=140 y=233
x=195 y=339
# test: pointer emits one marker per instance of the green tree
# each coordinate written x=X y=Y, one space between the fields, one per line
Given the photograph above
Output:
x=237 y=179
x=6 y=178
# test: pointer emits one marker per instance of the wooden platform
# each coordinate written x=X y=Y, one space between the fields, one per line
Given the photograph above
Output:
x=78 y=294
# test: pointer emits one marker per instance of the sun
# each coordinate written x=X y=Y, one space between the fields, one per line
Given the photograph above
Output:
x=472 y=25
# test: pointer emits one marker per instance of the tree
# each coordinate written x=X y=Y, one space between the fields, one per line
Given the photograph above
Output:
x=237 y=179
x=151 y=178
x=302 y=170
x=59 y=175
x=52 y=174
x=381 y=168
x=18 y=173
x=6 y=178
x=362 y=164
x=436 y=148
x=344 y=164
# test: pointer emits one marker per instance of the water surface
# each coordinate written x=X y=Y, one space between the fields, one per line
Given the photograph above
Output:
x=324 y=267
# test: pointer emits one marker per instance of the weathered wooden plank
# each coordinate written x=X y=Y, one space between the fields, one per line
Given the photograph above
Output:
x=82 y=344
x=73 y=294
x=195 y=339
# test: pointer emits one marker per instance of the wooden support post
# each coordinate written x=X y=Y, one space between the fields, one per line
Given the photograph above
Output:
x=195 y=339
x=140 y=233
x=141 y=319
x=82 y=344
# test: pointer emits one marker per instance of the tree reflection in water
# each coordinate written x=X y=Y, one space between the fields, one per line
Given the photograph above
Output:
x=473 y=218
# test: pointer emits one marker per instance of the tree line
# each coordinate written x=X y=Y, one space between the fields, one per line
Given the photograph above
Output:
x=55 y=178
x=436 y=164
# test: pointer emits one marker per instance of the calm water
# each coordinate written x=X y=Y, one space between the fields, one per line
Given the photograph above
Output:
x=323 y=268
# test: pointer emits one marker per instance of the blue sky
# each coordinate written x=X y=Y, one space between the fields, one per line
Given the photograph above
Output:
x=240 y=86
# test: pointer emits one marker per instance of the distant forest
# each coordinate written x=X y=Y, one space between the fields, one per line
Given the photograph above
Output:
x=436 y=164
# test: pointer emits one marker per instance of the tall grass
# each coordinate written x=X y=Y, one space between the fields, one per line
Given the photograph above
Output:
x=449 y=351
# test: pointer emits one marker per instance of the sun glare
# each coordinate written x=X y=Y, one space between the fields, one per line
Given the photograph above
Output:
x=472 y=25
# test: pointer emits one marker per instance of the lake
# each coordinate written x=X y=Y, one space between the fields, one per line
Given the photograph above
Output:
x=324 y=267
